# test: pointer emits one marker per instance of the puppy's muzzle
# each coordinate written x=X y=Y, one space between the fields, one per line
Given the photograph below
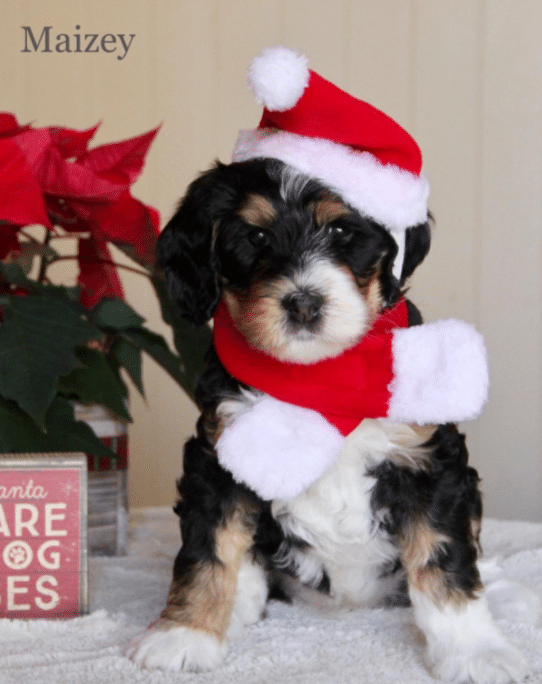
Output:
x=304 y=309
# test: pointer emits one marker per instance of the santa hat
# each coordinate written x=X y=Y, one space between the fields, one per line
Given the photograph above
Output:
x=355 y=149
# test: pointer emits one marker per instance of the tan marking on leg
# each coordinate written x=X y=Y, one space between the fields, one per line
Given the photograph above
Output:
x=420 y=546
x=205 y=603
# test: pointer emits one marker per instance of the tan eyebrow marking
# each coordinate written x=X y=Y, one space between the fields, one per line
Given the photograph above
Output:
x=328 y=210
x=258 y=211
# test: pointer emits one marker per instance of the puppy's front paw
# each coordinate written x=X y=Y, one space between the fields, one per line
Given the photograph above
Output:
x=486 y=666
x=168 y=647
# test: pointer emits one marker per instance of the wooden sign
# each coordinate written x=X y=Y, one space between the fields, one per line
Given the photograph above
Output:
x=43 y=549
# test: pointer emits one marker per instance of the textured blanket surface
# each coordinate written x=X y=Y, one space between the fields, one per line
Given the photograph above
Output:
x=291 y=645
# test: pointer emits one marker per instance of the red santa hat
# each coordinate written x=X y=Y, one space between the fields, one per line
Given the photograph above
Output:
x=322 y=131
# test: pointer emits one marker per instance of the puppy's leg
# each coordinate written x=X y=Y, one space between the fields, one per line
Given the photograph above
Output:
x=463 y=642
x=206 y=601
x=202 y=604
x=427 y=499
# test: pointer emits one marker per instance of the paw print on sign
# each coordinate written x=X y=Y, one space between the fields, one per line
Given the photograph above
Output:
x=17 y=555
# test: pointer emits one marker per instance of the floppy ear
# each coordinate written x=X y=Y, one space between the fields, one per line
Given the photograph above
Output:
x=186 y=251
x=417 y=243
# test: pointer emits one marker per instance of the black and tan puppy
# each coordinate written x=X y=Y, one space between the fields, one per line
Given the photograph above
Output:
x=304 y=269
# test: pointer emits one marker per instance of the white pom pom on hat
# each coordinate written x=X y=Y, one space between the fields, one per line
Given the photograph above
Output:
x=278 y=77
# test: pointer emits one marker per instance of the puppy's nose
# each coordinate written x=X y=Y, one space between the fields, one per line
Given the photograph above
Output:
x=304 y=308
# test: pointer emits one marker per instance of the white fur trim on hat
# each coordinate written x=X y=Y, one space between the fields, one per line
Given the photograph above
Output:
x=440 y=373
x=390 y=195
x=278 y=77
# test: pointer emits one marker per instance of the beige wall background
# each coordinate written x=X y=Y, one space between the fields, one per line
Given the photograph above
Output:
x=464 y=77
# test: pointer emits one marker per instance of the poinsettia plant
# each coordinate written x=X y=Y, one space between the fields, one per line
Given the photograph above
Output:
x=61 y=343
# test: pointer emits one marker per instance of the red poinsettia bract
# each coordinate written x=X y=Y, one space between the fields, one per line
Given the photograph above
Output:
x=49 y=176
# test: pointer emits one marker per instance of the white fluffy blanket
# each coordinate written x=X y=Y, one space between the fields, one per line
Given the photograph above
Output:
x=290 y=645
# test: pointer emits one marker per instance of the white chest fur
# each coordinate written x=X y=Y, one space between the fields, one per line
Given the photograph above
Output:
x=335 y=519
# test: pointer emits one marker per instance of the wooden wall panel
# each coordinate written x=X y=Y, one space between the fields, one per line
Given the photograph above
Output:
x=447 y=116
x=324 y=25
x=381 y=67
x=510 y=278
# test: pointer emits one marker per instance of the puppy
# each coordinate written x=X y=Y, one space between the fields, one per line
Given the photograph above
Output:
x=395 y=520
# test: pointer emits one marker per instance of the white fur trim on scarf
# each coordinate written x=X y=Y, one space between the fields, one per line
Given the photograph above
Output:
x=278 y=449
x=440 y=373
x=278 y=77
x=390 y=195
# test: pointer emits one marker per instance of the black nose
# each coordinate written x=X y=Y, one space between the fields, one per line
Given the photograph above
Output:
x=304 y=308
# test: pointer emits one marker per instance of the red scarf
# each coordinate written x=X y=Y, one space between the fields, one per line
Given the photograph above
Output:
x=345 y=389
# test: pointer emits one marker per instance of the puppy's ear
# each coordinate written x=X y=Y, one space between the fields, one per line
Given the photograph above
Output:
x=417 y=243
x=186 y=250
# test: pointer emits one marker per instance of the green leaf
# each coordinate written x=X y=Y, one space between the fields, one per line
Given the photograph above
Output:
x=94 y=382
x=15 y=275
x=37 y=340
x=20 y=434
x=128 y=356
x=156 y=347
x=116 y=314
x=192 y=343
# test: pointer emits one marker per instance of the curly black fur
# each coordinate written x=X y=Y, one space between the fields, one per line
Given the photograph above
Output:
x=445 y=496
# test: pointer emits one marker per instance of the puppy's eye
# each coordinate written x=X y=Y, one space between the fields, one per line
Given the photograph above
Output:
x=335 y=230
x=258 y=238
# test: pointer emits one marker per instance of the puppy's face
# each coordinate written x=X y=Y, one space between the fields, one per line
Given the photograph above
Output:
x=302 y=273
